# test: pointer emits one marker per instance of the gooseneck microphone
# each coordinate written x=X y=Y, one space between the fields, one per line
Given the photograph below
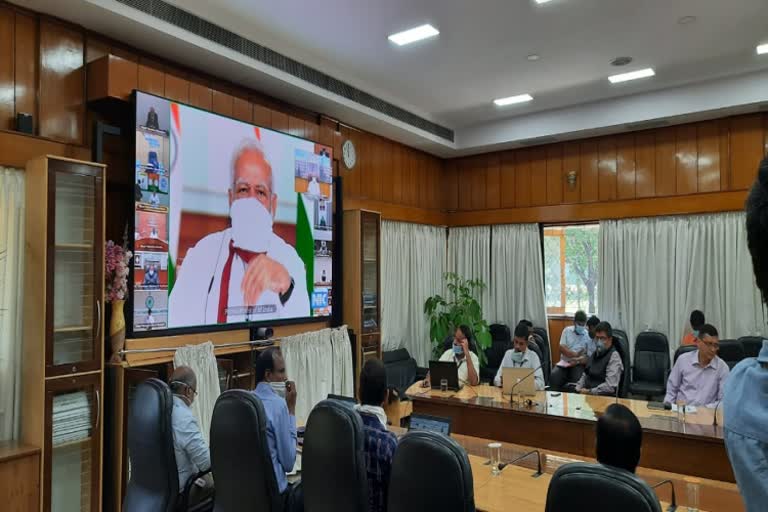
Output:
x=714 y=420
x=538 y=473
x=673 y=503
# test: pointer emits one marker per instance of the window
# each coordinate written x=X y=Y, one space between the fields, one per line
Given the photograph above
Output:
x=570 y=268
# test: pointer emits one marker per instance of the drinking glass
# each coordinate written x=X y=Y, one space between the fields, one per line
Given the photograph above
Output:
x=495 y=456
x=693 y=496
x=681 y=411
x=443 y=384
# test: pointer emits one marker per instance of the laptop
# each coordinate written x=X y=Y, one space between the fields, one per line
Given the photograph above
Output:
x=510 y=377
x=427 y=423
x=439 y=370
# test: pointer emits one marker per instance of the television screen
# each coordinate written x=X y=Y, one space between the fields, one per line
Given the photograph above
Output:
x=233 y=222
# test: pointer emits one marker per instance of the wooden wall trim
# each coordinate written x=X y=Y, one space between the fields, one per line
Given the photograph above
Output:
x=16 y=149
x=391 y=211
x=649 y=207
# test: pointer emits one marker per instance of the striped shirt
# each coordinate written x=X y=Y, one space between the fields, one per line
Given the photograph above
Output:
x=380 y=448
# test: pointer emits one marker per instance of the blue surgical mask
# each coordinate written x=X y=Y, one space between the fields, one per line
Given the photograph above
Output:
x=600 y=346
x=517 y=357
x=580 y=330
x=696 y=333
x=458 y=350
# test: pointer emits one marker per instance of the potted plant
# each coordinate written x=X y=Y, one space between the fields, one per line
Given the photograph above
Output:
x=461 y=307
x=116 y=260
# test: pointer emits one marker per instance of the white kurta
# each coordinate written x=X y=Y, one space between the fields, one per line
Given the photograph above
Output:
x=195 y=296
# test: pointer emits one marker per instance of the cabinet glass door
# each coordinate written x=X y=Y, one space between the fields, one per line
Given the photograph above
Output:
x=75 y=268
x=73 y=444
x=370 y=278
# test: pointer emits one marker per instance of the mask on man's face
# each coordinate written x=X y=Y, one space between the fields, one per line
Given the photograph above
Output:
x=695 y=333
x=517 y=357
x=279 y=388
x=600 y=346
x=251 y=224
x=580 y=329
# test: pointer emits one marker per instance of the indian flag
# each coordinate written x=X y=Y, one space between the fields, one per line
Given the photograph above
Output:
x=176 y=192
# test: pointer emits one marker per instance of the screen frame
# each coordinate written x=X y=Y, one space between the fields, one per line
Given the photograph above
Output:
x=176 y=331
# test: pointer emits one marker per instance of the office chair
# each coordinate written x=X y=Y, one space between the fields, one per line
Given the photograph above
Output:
x=333 y=460
x=651 y=365
x=622 y=347
x=242 y=466
x=546 y=359
x=612 y=489
x=534 y=347
x=154 y=483
x=501 y=341
x=401 y=370
x=731 y=351
x=430 y=472
x=683 y=349
x=752 y=345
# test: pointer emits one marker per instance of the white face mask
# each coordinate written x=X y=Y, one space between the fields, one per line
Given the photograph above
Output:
x=279 y=388
x=251 y=225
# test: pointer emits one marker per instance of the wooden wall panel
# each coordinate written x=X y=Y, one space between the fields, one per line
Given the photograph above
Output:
x=423 y=179
x=280 y=121
x=522 y=178
x=645 y=165
x=555 y=174
x=311 y=131
x=262 y=116
x=747 y=149
x=242 y=110
x=389 y=169
x=176 y=88
x=200 y=95
x=465 y=184
x=493 y=181
x=708 y=156
x=7 y=81
x=666 y=163
x=725 y=154
x=625 y=166
x=606 y=148
x=62 y=82
x=378 y=148
x=571 y=163
x=589 y=171
x=399 y=155
x=687 y=158
x=25 y=63
x=222 y=103
x=296 y=126
x=451 y=190
x=507 y=183
x=539 y=176
x=151 y=77
x=478 y=182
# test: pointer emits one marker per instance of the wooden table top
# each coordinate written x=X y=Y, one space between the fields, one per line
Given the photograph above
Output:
x=574 y=406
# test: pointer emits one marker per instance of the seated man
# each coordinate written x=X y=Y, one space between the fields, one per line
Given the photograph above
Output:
x=698 y=377
x=380 y=445
x=602 y=375
x=591 y=325
x=467 y=362
x=574 y=351
x=192 y=454
x=619 y=437
x=521 y=357
x=697 y=321
x=278 y=396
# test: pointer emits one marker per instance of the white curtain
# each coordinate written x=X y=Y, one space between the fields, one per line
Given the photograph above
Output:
x=412 y=267
x=11 y=298
x=655 y=271
x=517 y=287
x=469 y=255
x=202 y=360
x=317 y=362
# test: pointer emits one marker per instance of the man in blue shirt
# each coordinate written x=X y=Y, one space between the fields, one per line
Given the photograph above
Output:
x=575 y=348
x=380 y=444
x=278 y=396
x=744 y=405
x=189 y=446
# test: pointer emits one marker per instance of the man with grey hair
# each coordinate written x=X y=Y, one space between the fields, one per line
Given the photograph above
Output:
x=245 y=272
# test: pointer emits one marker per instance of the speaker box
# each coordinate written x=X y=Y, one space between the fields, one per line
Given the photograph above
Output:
x=24 y=122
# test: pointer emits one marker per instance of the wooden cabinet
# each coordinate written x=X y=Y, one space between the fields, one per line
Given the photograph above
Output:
x=63 y=333
x=362 y=283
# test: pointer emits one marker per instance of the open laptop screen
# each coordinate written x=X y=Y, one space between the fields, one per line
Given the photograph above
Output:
x=430 y=424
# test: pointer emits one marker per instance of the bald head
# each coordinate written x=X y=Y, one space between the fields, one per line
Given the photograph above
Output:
x=184 y=382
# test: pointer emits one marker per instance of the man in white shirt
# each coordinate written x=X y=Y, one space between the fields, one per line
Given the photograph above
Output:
x=246 y=272
x=521 y=357
x=575 y=345
x=192 y=454
x=466 y=361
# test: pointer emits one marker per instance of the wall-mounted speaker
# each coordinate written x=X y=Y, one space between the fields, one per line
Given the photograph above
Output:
x=24 y=122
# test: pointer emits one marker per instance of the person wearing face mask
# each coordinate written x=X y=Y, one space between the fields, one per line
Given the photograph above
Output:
x=190 y=448
x=245 y=272
x=697 y=321
x=460 y=353
x=521 y=357
x=278 y=396
x=602 y=374
x=698 y=378
x=574 y=351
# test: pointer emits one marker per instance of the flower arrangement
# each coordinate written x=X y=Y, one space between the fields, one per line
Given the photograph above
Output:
x=116 y=258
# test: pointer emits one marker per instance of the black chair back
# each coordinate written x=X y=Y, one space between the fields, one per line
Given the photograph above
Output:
x=154 y=483
x=615 y=489
x=546 y=359
x=622 y=347
x=682 y=349
x=752 y=345
x=242 y=466
x=430 y=472
x=651 y=360
x=400 y=368
x=333 y=460
x=731 y=351
x=500 y=332
x=534 y=347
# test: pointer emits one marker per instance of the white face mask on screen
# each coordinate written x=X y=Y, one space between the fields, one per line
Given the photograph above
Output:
x=251 y=225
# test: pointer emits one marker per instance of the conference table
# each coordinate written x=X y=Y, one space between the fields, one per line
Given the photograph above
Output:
x=565 y=422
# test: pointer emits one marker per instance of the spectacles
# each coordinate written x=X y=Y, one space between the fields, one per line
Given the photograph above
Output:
x=601 y=338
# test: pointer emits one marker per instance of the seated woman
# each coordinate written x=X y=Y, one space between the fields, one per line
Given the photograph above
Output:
x=466 y=361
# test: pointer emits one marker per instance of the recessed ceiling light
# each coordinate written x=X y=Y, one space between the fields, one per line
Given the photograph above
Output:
x=414 y=34
x=762 y=49
x=632 y=75
x=532 y=57
x=511 y=100
x=686 y=20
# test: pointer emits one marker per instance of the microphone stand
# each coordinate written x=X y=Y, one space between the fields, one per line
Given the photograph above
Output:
x=538 y=473
x=714 y=420
x=512 y=390
x=673 y=504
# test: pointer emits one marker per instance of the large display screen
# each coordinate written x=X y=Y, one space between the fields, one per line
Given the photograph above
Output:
x=233 y=222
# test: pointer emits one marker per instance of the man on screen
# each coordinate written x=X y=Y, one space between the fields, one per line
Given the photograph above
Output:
x=245 y=272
